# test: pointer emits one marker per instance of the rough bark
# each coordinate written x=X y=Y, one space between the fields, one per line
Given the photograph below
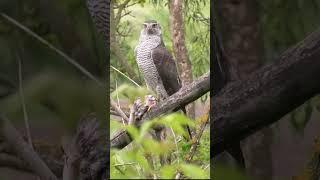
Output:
x=179 y=47
x=243 y=45
x=186 y=95
x=246 y=106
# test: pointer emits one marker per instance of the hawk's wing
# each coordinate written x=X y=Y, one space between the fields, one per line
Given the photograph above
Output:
x=167 y=69
x=100 y=13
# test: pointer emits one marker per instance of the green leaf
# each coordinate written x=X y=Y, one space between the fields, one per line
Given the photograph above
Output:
x=168 y=172
x=146 y=126
x=194 y=172
x=133 y=131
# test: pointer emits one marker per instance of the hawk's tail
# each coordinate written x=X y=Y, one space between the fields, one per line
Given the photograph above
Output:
x=187 y=127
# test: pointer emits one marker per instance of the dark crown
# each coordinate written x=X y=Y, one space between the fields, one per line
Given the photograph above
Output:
x=150 y=21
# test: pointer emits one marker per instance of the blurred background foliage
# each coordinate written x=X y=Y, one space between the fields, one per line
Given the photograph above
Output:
x=56 y=93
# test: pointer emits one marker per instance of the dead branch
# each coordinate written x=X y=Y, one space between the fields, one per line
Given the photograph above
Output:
x=118 y=110
x=186 y=95
x=244 y=107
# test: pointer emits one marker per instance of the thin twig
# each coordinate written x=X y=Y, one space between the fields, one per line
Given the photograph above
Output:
x=125 y=76
x=116 y=108
x=118 y=101
x=125 y=164
x=120 y=9
x=65 y=56
x=25 y=115
x=176 y=143
x=196 y=139
x=115 y=113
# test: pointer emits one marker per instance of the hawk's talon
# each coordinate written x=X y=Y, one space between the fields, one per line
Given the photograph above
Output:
x=150 y=102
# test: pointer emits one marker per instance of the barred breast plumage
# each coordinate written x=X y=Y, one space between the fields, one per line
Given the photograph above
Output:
x=145 y=62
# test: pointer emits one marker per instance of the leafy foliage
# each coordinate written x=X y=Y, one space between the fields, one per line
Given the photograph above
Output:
x=135 y=160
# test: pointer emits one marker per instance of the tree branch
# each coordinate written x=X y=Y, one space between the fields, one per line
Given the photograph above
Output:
x=244 y=107
x=184 y=96
x=11 y=161
x=118 y=110
x=20 y=147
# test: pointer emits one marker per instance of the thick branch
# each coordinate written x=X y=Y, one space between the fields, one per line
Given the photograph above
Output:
x=20 y=147
x=8 y=160
x=183 y=97
x=244 y=107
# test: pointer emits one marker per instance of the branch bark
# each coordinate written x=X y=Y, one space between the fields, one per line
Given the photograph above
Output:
x=186 y=95
x=243 y=107
x=20 y=147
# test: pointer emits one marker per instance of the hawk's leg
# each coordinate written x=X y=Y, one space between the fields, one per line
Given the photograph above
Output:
x=161 y=91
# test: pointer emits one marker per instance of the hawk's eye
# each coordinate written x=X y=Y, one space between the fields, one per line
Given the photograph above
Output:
x=154 y=25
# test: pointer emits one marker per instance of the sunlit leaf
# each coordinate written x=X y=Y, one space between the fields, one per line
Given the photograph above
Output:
x=193 y=171
x=168 y=172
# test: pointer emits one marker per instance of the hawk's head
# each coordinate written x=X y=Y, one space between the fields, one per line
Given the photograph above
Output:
x=151 y=27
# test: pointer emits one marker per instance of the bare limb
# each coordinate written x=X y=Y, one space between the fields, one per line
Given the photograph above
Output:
x=118 y=110
x=24 y=108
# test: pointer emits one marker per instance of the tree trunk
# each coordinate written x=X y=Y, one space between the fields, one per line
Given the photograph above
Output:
x=179 y=47
x=243 y=46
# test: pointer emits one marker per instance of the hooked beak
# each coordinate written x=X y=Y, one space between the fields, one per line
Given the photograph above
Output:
x=149 y=31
